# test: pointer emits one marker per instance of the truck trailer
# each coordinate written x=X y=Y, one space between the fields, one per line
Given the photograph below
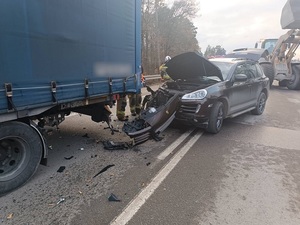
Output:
x=58 y=57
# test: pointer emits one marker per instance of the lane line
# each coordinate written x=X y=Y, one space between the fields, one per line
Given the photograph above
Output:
x=171 y=148
x=133 y=207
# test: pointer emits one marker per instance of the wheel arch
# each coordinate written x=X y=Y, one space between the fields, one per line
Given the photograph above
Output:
x=43 y=141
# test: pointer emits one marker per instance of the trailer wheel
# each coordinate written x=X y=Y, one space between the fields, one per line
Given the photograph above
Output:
x=268 y=71
x=20 y=155
x=216 y=118
x=294 y=83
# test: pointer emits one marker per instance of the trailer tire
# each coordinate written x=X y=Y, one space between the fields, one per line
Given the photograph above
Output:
x=294 y=83
x=268 y=71
x=20 y=154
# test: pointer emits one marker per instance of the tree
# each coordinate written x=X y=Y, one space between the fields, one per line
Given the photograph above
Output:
x=167 y=31
x=212 y=52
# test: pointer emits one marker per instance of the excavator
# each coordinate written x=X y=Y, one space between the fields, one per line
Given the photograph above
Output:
x=276 y=55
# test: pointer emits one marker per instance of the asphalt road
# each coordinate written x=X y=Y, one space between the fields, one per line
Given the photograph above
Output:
x=249 y=173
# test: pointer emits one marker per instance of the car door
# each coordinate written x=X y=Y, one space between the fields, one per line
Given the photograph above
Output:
x=239 y=95
x=255 y=79
x=257 y=85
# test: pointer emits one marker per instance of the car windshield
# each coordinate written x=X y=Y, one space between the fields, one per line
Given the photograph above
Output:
x=224 y=67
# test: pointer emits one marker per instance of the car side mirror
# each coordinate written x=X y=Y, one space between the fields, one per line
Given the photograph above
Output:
x=240 y=77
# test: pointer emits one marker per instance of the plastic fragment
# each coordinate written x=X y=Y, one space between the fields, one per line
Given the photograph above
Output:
x=62 y=199
x=104 y=169
x=111 y=145
x=10 y=216
x=86 y=135
x=68 y=158
x=61 y=169
x=113 y=198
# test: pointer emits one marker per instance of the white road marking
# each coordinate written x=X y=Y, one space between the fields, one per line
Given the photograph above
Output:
x=132 y=208
x=171 y=148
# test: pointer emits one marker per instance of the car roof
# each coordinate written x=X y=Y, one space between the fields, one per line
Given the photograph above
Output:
x=229 y=60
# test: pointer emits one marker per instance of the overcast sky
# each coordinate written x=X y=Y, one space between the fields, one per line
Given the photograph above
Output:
x=236 y=23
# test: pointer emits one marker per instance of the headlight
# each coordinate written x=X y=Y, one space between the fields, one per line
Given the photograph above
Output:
x=196 y=95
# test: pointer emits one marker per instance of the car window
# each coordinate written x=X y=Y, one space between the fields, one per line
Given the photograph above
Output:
x=260 y=72
x=224 y=67
x=240 y=69
x=247 y=69
x=251 y=70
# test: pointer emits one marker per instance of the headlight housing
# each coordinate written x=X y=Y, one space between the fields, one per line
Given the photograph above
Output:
x=196 y=95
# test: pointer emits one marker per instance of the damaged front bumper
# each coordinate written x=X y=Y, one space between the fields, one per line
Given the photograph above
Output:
x=160 y=112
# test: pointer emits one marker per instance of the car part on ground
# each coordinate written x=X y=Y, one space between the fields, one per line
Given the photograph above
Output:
x=161 y=107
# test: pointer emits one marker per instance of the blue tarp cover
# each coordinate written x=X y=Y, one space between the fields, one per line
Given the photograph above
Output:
x=67 y=41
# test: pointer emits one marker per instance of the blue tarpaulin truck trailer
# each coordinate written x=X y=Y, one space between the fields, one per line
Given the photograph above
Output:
x=57 y=57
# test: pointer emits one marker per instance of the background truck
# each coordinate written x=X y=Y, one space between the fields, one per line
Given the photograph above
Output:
x=58 y=57
x=275 y=55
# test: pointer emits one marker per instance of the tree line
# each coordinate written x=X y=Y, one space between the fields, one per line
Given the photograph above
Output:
x=167 y=29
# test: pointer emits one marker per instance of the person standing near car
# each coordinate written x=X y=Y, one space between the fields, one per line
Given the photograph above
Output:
x=135 y=103
x=135 y=100
x=163 y=69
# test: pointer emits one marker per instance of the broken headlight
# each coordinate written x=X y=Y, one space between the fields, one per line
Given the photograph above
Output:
x=196 y=95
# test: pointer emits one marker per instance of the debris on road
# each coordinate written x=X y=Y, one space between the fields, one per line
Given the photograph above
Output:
x=111 y=145
x=104 y=169
x=62 y=199
x=68 y=158
x=10 y=216
x=61 y=169
x=113 y=198
x=86 y=135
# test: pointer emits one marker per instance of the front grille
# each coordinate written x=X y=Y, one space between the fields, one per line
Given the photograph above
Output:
x=190 y=108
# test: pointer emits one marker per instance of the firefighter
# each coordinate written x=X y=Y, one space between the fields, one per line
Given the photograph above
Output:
x=163 y=73
x=121 y=106
x=135 y=101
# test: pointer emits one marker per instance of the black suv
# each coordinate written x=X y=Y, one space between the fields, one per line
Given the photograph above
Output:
x=215 y=89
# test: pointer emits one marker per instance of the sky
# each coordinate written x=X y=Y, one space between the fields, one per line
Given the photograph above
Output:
x=236 y=23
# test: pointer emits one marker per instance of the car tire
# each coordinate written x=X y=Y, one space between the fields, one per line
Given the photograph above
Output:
x=21 y=152
x=268 y=71
x=216 y=118
x=294 y=83
x=260 y=105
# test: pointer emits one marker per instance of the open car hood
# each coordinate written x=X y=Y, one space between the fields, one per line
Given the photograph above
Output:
x=191 y=66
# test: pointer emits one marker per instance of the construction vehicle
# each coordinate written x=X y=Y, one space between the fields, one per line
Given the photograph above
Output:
x=276 y=55
x=58 y=57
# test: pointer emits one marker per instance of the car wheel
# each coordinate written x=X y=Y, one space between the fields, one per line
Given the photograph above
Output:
x=260 y=105
x=294 y=83
x=268 y=71
x=216 y=118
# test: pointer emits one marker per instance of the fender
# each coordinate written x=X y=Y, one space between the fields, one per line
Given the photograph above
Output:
x=43 y=140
